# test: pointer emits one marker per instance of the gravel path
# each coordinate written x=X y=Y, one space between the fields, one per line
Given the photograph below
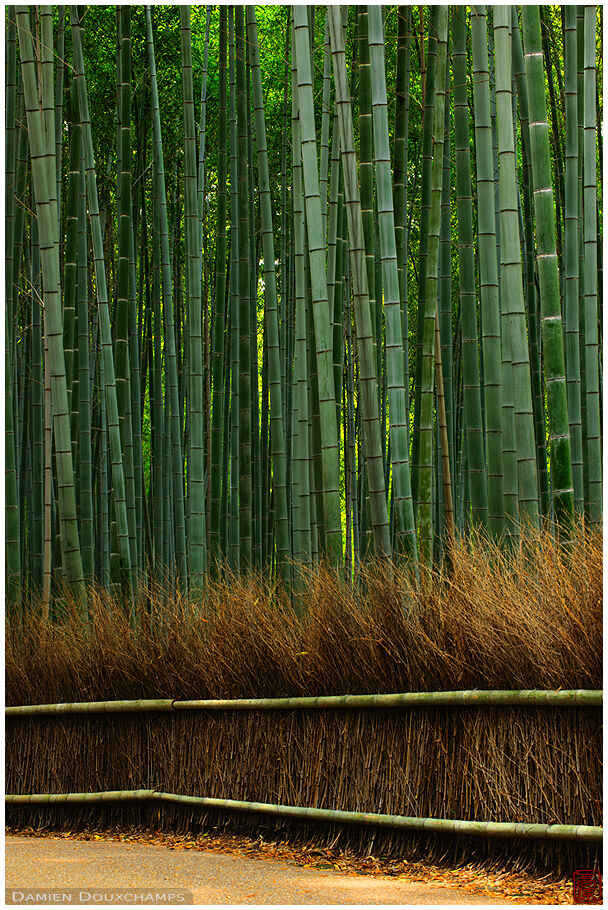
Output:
x=58 y=864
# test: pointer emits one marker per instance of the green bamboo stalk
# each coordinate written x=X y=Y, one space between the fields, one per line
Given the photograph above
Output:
x=571 y=239
x=121 y=318
x=324 y=163
x=425 y=201
x=367 y=360
x=402 y=495
x=202 y=130
x=44 y=178
x=12 y=517
x=168 y=514
x=196 y=454
x=243 y=265
x=580 y=93
x=266 y=497
x=285 y=260
x=70 y=258
x=557 y=151
x=334 y=258
x=168 y=314
x=531 y=294
x=512 y=300
x=366 y=172
x=37 y=443
x=111 y=406
x=351 y=445
x=314 y=429
x=548 y=275
x=430 y=302
x=60 y=75
x=400 y=188
x=217 y=439
x=136 y=408
x=103 y=486
x=301 y=499
x=156 y=393
x=466 y=271
x=444 y=378
x=87 y=533
x=234 y=530
x=226 y=443
x=254 y=258
x=490 y=315
x=443 y=445
x=592 y=426
x=277 y=436
x=48 y=484
x=46 y=70
x=330 y=449
x=12 y=522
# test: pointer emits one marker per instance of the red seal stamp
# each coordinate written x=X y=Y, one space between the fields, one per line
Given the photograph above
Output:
x=587 y=886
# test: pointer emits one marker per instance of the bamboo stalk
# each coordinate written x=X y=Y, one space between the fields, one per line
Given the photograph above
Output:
x=580 y=833
x=548 y=274
x=399 y=417
x=44 y=176
x=572 y=278
x=277 y=436
x=330 y=449
x=512 y=298
x=111 y=405
x=196 y=461
x=425 y=524
x=558 y=698
x=478 y=478
x=368 y=377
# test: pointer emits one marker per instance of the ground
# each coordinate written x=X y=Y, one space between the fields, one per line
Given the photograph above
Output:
x=230 y=869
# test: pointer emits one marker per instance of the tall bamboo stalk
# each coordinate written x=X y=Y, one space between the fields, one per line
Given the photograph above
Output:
x=511 y=272
x=425 y=527
x=402 y=493
x=217 y=439
x=571 y=242
x=277 y=436
x=466 y=276
x=111 y=405
x=590 y=310
x=548 y=276
x=196 y=453
x=330 y=450
x=12 y=522
x=367 y=367
x=123 y=373
x=171 y=370
x=488 y=274
x=42 y=147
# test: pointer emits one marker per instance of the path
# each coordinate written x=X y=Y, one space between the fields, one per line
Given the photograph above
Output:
x=58 y=864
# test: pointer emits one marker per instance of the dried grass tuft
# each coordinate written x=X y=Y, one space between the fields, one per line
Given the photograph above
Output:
x=530 y=618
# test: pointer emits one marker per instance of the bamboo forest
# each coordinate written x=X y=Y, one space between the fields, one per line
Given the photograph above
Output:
x=289 y=286
x=303 y=449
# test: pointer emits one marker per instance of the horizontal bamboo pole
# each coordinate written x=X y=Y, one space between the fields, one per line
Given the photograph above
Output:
x=531 y=697
x=587 y=833
x=560 y=698
x=105 y=796
x=93 y=707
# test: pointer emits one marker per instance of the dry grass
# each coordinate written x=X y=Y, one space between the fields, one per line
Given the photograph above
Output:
x=529 y=619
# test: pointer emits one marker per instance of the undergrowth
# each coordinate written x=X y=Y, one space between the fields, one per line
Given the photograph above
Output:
x=527 y=618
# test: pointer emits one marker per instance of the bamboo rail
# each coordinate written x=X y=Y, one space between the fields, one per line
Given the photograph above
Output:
x=581 y=833
x=482 y=697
